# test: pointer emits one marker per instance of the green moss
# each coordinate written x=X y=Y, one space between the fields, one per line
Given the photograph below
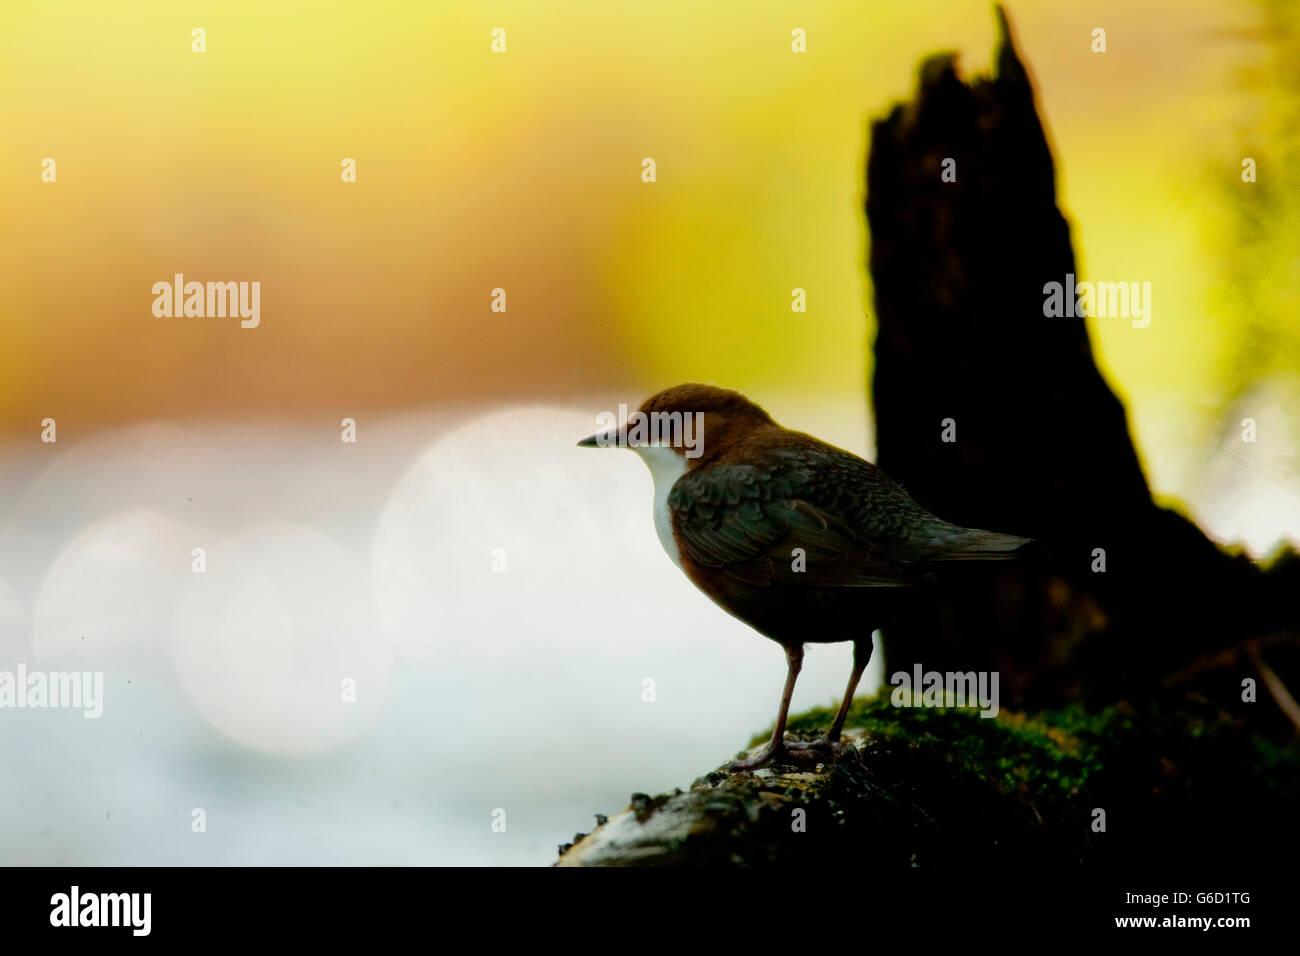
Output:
x=1045 y=756
x=1060 y=754
x=936 y=787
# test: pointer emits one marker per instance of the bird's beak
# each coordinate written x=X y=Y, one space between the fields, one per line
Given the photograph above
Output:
x=613 y=438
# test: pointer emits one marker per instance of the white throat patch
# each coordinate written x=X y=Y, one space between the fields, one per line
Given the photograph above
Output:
x=666 y=466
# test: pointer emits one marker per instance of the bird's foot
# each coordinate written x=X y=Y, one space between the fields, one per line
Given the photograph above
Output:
x=822 y=746
x=789 y=752
x=767 y=755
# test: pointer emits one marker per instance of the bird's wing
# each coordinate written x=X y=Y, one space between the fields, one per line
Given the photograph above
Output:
x=759 y=525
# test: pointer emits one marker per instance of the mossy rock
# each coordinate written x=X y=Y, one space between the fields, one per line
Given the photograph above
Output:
x=939 y=787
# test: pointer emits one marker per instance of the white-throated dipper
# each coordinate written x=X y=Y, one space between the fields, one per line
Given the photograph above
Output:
x=803 y=541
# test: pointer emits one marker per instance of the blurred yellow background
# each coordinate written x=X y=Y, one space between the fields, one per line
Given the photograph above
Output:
x=522 y=170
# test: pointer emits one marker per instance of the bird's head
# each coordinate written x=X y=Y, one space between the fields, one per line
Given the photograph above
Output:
x=697 y=422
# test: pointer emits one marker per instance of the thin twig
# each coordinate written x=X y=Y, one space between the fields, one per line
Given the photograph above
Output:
x=1228 y=656
x=1281 y=696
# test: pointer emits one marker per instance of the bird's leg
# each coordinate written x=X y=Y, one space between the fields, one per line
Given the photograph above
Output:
x=861 y=656
x=776 y=746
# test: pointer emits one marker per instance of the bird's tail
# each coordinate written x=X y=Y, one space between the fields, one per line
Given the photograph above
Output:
x=972 y=544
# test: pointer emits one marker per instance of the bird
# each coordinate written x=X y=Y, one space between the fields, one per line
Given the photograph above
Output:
x=803 y=541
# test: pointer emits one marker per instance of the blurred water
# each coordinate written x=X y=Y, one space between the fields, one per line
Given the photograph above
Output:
x=497 y=595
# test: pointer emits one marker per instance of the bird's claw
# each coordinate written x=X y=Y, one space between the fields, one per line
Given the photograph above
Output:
x=822 y=745
x=788 y=751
